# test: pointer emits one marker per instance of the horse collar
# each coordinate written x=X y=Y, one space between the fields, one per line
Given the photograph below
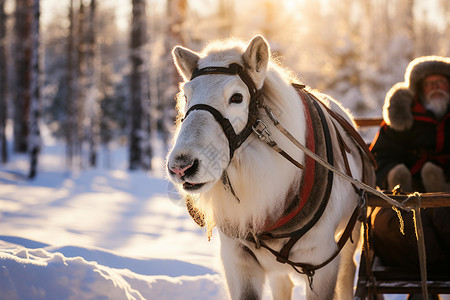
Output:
x=235 y=140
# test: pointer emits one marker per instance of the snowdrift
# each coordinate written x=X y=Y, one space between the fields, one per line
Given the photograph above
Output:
x=80 y=273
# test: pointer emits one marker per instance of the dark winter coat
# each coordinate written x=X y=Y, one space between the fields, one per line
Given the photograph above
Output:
x=425 y=140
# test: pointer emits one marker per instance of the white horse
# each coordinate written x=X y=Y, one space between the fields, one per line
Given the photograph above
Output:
x=240 y=183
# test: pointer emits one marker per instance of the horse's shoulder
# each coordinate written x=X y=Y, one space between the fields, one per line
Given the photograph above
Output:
x=335 y=106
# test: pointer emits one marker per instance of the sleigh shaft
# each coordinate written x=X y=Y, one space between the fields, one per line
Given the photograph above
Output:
x=426 y=200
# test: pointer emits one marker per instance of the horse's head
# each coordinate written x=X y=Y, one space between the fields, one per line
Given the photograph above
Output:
x=218 y=103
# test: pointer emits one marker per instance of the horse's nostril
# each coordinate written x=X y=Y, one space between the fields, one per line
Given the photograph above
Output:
x=193 y=169
x=181 y=167
x=179 y=170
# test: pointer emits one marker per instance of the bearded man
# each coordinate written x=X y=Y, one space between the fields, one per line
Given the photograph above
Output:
x=412 y=149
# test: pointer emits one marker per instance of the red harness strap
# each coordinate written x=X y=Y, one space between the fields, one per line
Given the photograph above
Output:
x=308 y=181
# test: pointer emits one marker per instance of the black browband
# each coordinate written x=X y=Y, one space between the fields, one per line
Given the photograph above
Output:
x=234 y=140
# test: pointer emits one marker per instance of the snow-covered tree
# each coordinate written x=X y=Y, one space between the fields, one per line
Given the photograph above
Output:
x=113 y=82
x=3 y=83
x=80 y=75
x=71 y=122
x=174 y=34
x=341 y=45
x=87 y=106
x=92 y=99
x=139 y=132
x=22 y=62
x=34 y=136
x=101 y=80
x=354 y=50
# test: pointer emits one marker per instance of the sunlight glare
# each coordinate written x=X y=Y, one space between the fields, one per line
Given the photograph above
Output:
x=290 y=5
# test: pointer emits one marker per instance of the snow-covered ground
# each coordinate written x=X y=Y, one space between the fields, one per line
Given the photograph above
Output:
x=106 y=233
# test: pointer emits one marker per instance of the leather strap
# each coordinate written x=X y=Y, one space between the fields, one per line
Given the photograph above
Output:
x=232 y=69
x=235 y=140
x=353 y=133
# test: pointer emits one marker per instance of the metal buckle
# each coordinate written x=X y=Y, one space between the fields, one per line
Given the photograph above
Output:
x=271 y=115
x=261 y=130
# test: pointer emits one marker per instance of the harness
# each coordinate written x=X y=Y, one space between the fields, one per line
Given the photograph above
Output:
x=306 y=213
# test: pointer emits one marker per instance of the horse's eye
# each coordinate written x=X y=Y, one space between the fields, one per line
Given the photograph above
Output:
x=236 y=98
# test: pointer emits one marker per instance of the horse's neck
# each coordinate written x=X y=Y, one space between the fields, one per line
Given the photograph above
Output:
x=260 y=177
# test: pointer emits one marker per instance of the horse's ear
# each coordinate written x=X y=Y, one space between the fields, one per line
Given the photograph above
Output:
x=256 y=58
x=185 y=60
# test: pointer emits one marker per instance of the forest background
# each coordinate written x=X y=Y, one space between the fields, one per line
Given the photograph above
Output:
x=100 y=73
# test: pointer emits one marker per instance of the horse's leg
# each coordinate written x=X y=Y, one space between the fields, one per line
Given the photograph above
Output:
x=244 y=274
x=347 y=268
x=324 y=282
x=281 y=286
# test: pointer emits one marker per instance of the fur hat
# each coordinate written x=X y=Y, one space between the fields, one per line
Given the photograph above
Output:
x=397 y=107
x=423 y=66
x=399 y=100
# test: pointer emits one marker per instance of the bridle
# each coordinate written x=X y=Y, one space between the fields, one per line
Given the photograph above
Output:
x=235 y=140
x=254 y=123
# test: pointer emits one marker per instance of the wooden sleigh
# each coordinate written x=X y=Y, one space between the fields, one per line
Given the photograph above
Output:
x=375 y=279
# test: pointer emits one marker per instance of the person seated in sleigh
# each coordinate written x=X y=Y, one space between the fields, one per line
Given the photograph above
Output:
x=412 y=150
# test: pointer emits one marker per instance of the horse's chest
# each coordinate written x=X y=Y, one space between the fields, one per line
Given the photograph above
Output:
x=309 y=250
